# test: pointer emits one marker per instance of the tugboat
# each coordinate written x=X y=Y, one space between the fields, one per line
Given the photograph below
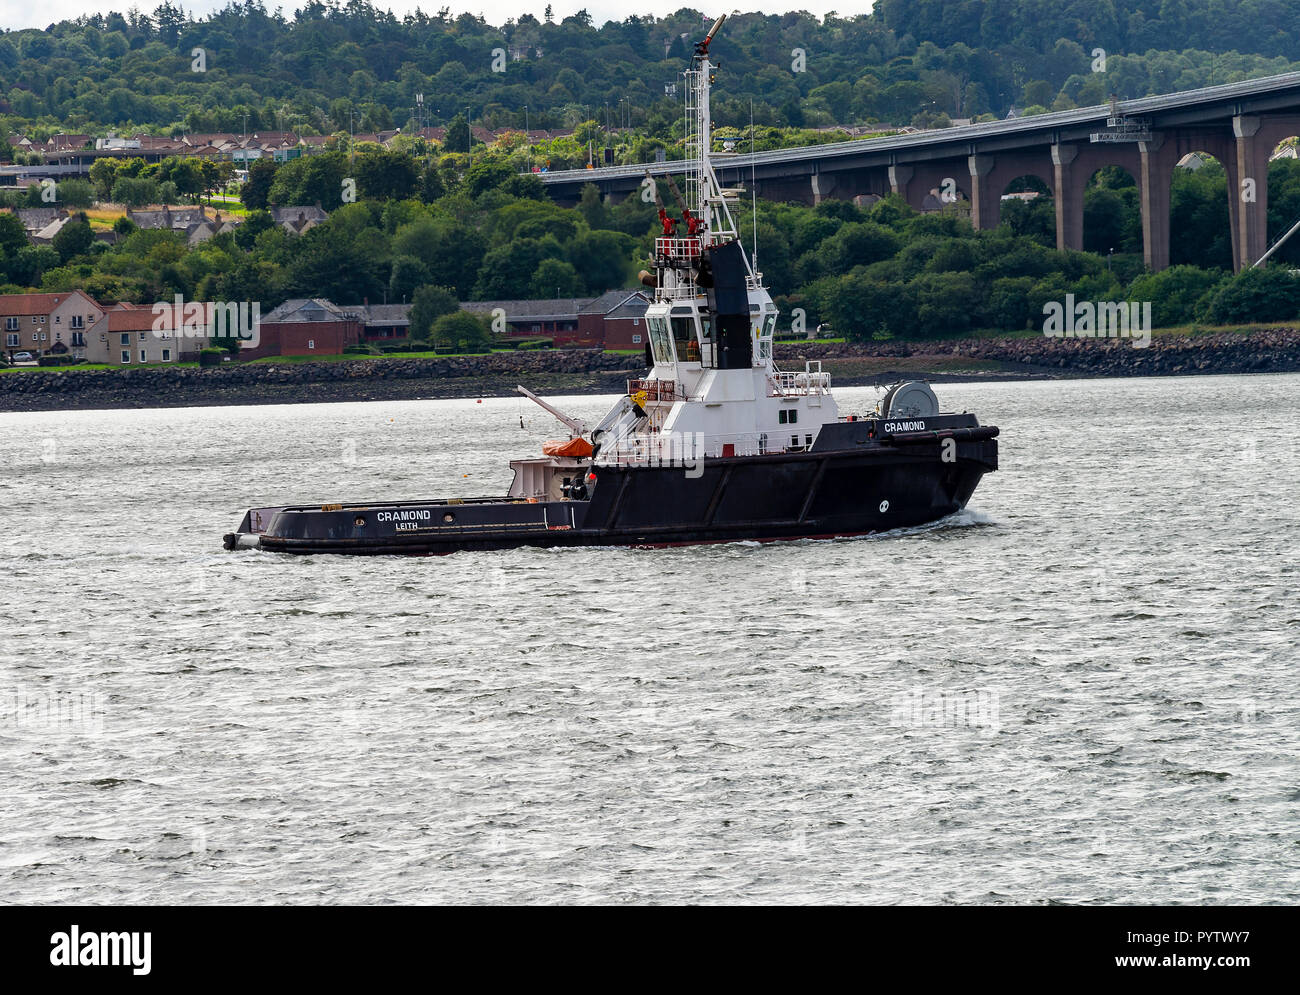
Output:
x=713 y=444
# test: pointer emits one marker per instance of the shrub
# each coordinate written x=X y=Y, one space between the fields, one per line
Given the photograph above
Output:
x=212 y=357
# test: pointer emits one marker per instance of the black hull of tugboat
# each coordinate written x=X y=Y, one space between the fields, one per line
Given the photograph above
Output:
x=821 y=493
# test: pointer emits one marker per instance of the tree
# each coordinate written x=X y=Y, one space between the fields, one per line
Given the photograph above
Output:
x=430 y=304
x=407 y=276
x=133 y=191
x=462 y=331
x=13 y=236
x=554 y=278
x=592 y=206
x=76 y=193
x=255 y=191
x=73 y=239
x=1255 y=295
x=458 y=136
x=385 y=175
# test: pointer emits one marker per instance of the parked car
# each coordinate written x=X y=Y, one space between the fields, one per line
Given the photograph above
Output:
x=24 y=357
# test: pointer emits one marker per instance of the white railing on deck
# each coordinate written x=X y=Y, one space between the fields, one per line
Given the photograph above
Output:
x=811 y=381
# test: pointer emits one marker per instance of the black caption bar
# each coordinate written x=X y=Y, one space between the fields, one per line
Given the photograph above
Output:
x=145 y=946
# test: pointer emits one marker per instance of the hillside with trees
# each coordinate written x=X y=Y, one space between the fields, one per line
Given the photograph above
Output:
x=334 y=67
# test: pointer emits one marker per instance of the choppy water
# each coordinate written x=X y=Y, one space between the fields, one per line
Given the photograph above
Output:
x=1083 y=689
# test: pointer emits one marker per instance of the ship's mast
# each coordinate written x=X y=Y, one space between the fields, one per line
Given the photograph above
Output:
x=717 y=224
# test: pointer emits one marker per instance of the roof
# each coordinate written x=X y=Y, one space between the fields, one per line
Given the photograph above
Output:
x=23 y=304
x=385 y=314
x=523 y=310
x=309 y=212
x=610 y=300
x=310 y=309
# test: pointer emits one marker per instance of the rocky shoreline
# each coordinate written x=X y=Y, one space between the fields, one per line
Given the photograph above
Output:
x=589 y=371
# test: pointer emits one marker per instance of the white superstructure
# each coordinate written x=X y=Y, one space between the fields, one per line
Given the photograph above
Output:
x=711 y=382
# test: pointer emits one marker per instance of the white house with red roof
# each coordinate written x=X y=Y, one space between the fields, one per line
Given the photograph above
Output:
x=41 y=324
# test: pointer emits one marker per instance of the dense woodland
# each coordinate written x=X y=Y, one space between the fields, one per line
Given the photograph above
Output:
x=329 y=67
x=440 y=223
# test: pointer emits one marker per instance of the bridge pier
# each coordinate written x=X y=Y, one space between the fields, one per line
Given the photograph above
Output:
x=1154 y=180
x=823 y=184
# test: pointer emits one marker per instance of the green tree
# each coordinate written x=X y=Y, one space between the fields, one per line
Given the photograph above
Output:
x=554 y=278
x=408 y=274
x=458 y=136
x=385 y=175
x=428 y=306
x=73 y=239
x=257 y=189
x=461 y=330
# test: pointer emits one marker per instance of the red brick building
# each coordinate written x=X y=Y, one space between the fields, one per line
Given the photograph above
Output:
x=314 y=327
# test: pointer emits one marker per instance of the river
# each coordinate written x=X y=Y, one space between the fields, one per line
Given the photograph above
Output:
x=1082 y=689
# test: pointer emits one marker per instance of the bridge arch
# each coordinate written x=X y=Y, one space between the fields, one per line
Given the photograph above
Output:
x=1284 y=198
x=1200 y=225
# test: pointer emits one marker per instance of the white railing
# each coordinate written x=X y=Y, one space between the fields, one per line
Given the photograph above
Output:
x=678 y=248
x=810 y=381
x=673 y=449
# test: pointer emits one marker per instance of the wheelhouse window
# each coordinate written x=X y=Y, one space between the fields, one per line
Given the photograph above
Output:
x=660 y=344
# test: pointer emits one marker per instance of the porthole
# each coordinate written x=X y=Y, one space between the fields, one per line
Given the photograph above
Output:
x=359 y=521
x=449 y=518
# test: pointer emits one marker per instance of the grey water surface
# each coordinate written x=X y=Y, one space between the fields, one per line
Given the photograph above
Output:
x=1083 y=689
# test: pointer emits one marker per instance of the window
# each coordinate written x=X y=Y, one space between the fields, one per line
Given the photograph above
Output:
x=167 y=358
x=636 y=322
x=636 y=339
x=78 y=321
x=126 y=338
x=807 y=440
x=660 y=343
x=794 y=442
x=33 y=319
x=79 y=338
x=58 y=319
x=11 y=324
x=42 y=319
x=126 y=356
x=787 y=416
x=42 y=336
x=144 y=336
x=58 y=336
x=142 y=356
x=311 y=343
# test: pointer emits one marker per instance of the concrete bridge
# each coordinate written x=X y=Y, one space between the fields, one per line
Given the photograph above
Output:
x=1240 y=124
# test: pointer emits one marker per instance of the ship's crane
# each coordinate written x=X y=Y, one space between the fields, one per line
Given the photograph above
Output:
x=575 y=425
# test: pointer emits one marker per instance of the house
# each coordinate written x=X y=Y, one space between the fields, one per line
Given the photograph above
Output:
x=178 y=220
x=523 y=319
x=307 y=328
x=57 y=324
x=194 y=222
x=65 y=143
x=134 y=334
x=385 y=321
x=35 y=219
x=617 y=317
x=614 y=320
x=46 y=235
x=296 y=220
